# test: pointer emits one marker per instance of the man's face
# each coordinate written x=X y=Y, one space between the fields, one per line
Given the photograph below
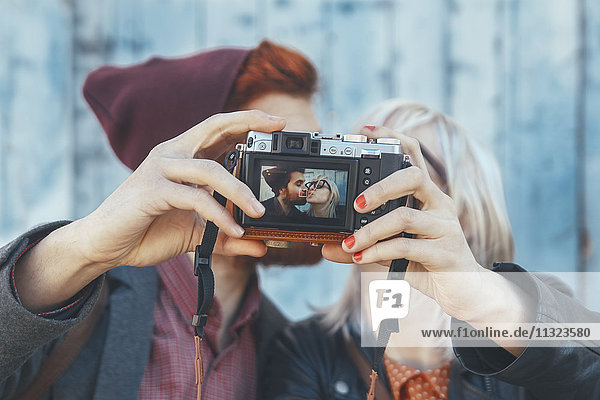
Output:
x=294 y=186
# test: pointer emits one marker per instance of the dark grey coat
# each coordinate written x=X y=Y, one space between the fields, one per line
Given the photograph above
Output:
x=111 y=365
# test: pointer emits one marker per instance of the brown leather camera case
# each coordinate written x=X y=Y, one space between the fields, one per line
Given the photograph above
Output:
x=294 y=236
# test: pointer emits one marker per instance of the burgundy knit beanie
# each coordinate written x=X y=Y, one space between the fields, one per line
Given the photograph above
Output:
x=142 y=105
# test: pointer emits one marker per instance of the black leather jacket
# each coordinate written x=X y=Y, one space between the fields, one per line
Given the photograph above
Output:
x=308 y=363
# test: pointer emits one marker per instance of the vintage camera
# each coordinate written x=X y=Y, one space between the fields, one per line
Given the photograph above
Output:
x=308 y=182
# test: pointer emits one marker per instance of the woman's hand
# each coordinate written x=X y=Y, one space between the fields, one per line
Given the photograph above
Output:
x=453 y=278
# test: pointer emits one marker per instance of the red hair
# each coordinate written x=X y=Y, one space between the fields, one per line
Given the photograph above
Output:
x=272 y=68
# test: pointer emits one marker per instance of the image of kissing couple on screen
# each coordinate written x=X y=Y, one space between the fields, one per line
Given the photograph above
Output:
x=298 y=193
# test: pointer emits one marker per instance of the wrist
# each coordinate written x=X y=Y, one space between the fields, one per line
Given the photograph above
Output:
x=501 y=305
x=73 y=248
x=498 y=300
x=54 y=270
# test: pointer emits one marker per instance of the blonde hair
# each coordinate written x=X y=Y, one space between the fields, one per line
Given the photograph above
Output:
x=334 y=198
x=473 y=181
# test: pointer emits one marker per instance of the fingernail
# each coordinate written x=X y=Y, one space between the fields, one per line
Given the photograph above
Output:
x=358 y=256
x=349 y=241
x=371 y=127
x=240 y=231
x=259 y=208
x=361 y=202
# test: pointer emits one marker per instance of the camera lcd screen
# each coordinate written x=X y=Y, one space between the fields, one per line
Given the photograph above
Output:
x=297 y=194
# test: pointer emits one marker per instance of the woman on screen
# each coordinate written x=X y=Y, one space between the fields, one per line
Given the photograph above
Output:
x=323 y=197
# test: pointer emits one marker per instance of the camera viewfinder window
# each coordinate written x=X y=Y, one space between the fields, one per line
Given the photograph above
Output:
x=303 y=195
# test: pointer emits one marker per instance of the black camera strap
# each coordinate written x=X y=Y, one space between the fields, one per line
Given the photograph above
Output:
x=387 y=326
x=206 y=278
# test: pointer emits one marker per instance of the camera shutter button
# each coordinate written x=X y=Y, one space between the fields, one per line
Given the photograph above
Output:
x=389 y=141
x=355 y=138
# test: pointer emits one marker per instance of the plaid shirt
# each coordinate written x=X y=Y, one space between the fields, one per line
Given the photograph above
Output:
x=169 y=374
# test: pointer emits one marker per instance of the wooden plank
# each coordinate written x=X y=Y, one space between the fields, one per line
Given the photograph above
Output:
x=168 y=27
x=591 y=252
x=474 y=38
x=539 y=130
x=301 y=26
x=359 y=69
x=420 y=61
x=119 y=33
x=97 y=170
x=297 y=24
x=6 y=93
x=231 y=23
x=35 y=114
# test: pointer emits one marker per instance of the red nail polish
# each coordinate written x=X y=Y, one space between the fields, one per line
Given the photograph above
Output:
x=371 y=127
x=358 y=256
x=361 y=202
x=349 y=241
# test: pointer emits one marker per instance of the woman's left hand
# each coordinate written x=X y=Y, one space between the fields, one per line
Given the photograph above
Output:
x=454 y=279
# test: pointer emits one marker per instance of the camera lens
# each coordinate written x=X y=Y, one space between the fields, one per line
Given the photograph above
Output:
x=294 y=143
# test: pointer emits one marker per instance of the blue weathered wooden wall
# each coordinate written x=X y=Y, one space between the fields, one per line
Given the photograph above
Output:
x=524 y=75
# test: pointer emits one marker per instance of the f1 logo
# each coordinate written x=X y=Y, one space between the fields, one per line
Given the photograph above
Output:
x=388 y=300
